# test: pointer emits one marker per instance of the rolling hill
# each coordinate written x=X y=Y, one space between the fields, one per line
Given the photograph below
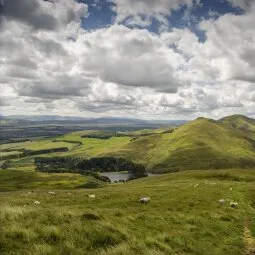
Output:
x=199 y=144
x=240 y=122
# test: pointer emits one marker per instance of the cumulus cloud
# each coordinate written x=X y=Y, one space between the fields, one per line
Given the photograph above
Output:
x=141 y=12
x=242 y=4
x=235 y=62
x=54 y=65
x=46 y=15
x=131 y=57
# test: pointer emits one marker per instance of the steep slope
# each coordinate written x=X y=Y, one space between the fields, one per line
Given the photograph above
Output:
x=199 y=144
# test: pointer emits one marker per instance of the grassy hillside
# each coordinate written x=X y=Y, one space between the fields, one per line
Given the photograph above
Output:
x=13 y=180
x=183 y=216
x=240 y=122
x=199 y=144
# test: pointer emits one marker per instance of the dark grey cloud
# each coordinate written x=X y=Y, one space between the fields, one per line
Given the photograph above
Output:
x=29 y=12
x=100 y=107
x=42 y=14
x=24 y=62
x=62 y=86
x=49 y=47
x=4 y=102
x=21 y=72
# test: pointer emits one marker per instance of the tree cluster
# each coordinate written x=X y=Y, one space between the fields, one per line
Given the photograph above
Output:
x=89 y=166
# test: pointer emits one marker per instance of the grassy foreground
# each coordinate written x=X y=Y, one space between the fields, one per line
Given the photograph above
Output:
x=183 y=216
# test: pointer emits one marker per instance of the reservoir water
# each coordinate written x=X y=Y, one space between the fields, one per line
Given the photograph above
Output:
x=117 y=176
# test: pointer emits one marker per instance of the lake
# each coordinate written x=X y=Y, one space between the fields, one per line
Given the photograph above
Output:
x=117 y=176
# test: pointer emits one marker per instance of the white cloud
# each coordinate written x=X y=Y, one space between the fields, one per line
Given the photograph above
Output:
x=122 y=71
x=130 y=57
x=141 y=12
x=242 y=4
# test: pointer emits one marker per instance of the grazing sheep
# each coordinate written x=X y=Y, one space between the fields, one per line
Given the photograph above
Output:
x=69 y=193
x=144 y=200
x=37 y=202
x=234 y=204
x=231 y=189
x=52 y=193
x=196 y=185
x=221 y=201
x=93 y=196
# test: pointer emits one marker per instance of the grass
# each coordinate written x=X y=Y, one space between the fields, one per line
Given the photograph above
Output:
x=45 y=143
x=199 y=144
x=9 y=153
x=12 y=180
x=182 y=217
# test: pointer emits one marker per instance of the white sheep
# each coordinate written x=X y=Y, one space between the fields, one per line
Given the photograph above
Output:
x=234 y=204
x=52 y=193
x=92 y=196
x=196 y=185
x=144 y=200
x=221 y=201
x=37 y=202
x=231 y=189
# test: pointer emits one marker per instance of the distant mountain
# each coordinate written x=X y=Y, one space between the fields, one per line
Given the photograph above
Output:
x=42 y=117
x=199 y=144
x=110 y=120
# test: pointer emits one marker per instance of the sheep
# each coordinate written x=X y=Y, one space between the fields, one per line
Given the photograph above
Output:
x=231 y=189
x=234 y=204
x=221 y=201
x=92 y=196
x=144 y=200
x=52 y=193
x=196 y=185
x=37 y=202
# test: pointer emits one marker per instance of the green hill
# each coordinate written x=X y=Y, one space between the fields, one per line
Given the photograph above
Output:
x=240 y=122
x=199 y=144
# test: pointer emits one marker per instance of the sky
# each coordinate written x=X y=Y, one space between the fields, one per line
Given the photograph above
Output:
x=149 y=59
